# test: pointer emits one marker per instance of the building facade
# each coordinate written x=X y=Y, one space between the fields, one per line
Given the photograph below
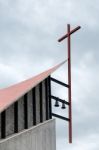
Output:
x=26 y=114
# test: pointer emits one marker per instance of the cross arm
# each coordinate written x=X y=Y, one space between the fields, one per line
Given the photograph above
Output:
x=71 y=32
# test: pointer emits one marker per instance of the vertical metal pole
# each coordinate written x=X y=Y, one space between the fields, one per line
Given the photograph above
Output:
x=69 y=83
x=69 y=74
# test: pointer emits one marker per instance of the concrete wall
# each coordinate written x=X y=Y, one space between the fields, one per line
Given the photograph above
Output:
x=10 y=111
x=37 y=104
x=44 y=102
x=40 y=137
x=10 y=120
x=30 y=109
x=21 y=114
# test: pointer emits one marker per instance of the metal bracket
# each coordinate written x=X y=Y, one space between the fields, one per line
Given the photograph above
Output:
x=60 y=117
x=59 y=82
x=59 y=99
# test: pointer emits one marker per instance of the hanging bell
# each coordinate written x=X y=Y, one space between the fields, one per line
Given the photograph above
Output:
x=56 y=104
x=63 y=105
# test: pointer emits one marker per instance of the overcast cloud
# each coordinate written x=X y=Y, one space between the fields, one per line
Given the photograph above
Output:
x=28 y=45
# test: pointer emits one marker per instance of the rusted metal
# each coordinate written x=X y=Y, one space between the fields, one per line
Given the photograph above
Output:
x=66 y=35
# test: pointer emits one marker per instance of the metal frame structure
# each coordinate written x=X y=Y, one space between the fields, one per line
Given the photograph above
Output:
x=69 y=103
x=48 y=97
x=68 y=36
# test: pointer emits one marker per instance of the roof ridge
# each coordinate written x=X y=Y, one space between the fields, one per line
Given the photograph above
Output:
x=12 y=93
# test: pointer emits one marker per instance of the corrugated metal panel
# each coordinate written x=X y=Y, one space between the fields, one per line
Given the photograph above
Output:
x=11 y=94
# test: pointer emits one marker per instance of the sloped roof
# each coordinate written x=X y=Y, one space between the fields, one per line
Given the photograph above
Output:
x=11 y=94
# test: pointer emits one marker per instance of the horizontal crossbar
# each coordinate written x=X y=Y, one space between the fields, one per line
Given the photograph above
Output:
x=59 y=82
x=60 y=117
x=71 y=32
x=60 y=100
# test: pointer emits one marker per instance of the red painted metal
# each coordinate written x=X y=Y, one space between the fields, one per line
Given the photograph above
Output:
x=69 y=83
x=71 y=32
x=68 y=36
x=11 y=94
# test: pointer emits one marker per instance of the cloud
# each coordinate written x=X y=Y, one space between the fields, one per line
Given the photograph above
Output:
x=89 y=143
x=9 y=75
x=28 y=45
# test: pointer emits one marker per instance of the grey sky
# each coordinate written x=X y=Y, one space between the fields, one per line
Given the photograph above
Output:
x=28 y=45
